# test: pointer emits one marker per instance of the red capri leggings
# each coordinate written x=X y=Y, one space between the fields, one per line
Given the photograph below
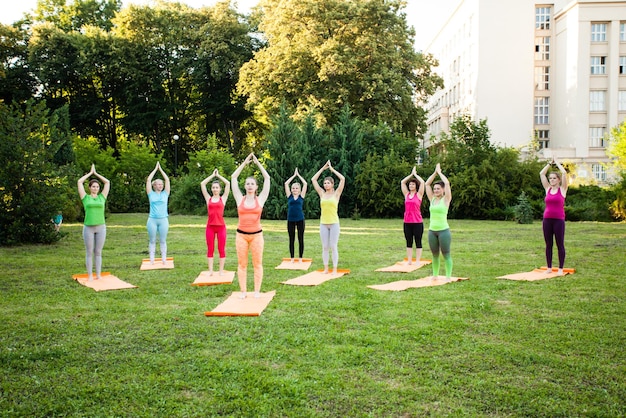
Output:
x=211 y=232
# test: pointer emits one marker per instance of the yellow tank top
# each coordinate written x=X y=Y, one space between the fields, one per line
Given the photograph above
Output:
x=329 y=210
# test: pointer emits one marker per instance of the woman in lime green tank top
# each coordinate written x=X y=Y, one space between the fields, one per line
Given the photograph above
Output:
x=439 y=237
x=94 y=229
x=329 y=219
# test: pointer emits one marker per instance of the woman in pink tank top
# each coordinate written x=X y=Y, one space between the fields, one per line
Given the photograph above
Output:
x=555 y=185
x=215 y=227
x=412 y=187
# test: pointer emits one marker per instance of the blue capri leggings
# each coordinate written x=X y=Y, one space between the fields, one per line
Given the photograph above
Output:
x=160 y=226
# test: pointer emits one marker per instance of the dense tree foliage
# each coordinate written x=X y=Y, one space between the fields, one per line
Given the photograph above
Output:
x=31 y=185
x=617 y=151
x=325 y=54
x=486 y=180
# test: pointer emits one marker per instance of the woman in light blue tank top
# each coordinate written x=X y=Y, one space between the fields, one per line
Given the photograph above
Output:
x=158 y=192
x=439 y=237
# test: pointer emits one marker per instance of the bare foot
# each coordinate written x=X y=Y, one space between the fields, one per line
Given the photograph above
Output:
x=210 y=273
x=221 y=273
x=335 y=270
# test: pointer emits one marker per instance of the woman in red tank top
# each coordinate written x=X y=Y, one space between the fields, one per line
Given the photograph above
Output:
x=215 y=227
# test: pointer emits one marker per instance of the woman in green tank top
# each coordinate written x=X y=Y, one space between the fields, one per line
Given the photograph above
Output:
x=439 y=238
x=94 y=229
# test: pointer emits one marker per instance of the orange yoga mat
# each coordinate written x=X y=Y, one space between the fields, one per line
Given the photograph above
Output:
x=250 y=306
x=316 y=277
x=405 y=267
x=158 y=264
x=205 y=280
x=423 y=282
x=286 y=264
x=107 y=281
x=536 y=274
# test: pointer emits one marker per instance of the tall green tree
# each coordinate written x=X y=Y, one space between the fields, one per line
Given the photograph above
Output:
x=74 y=15
x=281 y=165
x=324 y=54
x=31 y=190
x=158 y=47
x=617 y=151
x=16 y=80
x=346 y=156
x=225 y=45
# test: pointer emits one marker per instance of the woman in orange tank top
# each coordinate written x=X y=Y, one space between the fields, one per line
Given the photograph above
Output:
x=249 y=237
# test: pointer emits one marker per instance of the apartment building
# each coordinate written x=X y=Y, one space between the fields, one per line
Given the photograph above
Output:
x=550 y=72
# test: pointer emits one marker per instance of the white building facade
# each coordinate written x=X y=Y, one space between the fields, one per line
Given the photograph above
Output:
x=551 y=72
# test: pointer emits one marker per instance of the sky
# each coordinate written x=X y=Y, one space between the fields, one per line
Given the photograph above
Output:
x=426 y=16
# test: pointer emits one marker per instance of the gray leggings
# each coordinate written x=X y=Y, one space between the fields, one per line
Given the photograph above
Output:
x=329 y=233
x=94 y=237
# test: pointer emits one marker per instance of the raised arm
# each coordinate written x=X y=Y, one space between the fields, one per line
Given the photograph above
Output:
x=166 y=179
x=226 y=186
x=150 y=177
x=564 y=182
x=234 y=180
x=447 y=197
x=315 y=178
x=287 y=183
x=304 y=184
x=105 y=182
x=429 y=185
x=403 y=186
x=265 y=192
x=420 y=189
x=203 y=184
x=542 y=174
x=81 y=183
x=342 y=181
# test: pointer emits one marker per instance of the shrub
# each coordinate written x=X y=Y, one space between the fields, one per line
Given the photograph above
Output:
x=523 y=210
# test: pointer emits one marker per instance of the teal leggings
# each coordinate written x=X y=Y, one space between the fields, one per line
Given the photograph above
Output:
x=441 y=241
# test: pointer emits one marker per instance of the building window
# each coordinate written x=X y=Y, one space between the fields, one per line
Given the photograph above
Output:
x=542 y=17
x=542 y=110
x=621 y=101
x=597 y=100
x=599 y=172
x=598 y=32
x=622 y=32
x=598 y=65
x=543 y=138
x=596 y=137
x=542 y=78
x=542 y=48
x=622 y=65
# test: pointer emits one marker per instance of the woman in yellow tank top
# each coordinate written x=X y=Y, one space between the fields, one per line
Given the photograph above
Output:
x=329 y=219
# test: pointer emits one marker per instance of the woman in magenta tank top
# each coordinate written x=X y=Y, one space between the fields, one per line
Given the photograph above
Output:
x=555 y=185
x=412 y=187
x=215 y=226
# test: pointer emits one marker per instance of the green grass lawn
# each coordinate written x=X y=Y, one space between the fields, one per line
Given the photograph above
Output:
x=482 y=347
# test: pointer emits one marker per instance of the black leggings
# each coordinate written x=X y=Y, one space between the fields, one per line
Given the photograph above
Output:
x=554 y=228
x=413 y=231
x=291 y=230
